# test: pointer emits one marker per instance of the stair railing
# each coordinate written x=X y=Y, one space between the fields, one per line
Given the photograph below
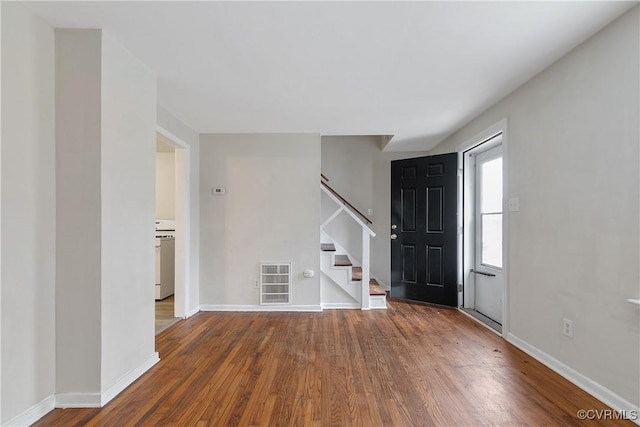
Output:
x=367 y=234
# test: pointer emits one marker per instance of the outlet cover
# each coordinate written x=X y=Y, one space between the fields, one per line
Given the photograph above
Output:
x=567 y=327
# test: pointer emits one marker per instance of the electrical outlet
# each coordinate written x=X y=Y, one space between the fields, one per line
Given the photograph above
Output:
x=256 y=283
x=567 y=327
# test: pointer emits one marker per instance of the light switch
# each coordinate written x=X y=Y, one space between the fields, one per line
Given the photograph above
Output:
x=514 y=204
x=218 y=191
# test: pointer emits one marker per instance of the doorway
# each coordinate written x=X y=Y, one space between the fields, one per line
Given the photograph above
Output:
x=484 y=224
x=172 y=156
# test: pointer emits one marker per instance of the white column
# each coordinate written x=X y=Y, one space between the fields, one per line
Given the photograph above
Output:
x=365 y=268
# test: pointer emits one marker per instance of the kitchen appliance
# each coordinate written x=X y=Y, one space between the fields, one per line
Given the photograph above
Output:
x=165 y=258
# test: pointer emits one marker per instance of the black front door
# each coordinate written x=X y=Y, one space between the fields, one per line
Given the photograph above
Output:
x=424 y=229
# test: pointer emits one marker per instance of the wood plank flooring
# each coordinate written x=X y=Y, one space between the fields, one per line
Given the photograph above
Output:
x=409 y=365
x=164 y=313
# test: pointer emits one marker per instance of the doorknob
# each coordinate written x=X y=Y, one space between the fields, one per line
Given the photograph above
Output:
x=393 y=226
x=394 y=236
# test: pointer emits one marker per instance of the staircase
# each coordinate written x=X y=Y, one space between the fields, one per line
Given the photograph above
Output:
x=343 y=283
x=343 y=273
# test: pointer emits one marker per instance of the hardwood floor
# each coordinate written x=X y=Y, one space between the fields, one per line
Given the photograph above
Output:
x=164 y=314
x=410 y=365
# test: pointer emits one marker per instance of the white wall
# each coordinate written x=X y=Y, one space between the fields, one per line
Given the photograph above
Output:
x=169 y=123
x=361 y=172
x=28 y=210
x=165 y=185
x=0 y=216
x=78 y=213
x=573 y=160
x=105 y=140
x=128 y=212
x=270 y=213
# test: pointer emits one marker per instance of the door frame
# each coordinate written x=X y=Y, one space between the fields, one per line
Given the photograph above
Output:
x=183 y=221
x=466 y=220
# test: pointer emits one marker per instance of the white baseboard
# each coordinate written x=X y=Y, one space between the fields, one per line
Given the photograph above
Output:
x=34 y=413
x=77 y=400
x=230 y=307
x=98 y=400
x=377 y=302
x=593 y=388
x=192 y=312
x=341 y=306
x=127 y=379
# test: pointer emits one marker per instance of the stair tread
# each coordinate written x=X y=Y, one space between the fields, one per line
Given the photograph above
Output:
x=375 y=288
x=342 y=261
x=356 y=273
x=327 y=247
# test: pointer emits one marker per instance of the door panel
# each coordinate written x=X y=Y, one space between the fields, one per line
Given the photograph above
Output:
x=423 y=209
x=435 y=210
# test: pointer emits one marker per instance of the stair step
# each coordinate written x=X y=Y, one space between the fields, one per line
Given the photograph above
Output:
x=375 y=288
x=327 y=247
x=343 y=261
x=356 y=273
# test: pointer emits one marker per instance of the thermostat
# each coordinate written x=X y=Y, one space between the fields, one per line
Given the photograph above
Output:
x=219 y=191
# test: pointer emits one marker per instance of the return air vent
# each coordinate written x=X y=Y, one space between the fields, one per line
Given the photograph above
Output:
x=275 y=283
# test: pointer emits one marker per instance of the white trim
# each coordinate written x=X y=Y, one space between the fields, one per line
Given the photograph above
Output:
x=365 y=278
x=192 y=312
x=500 y=127
x=332 y=217
x=598 y=391
x=377 y=302
x=265 y=308
x=34 y=413
x=78 y=400
x=127 y=379
x=340 y=306
x=382 y=284
x=505 y=224
x=348 y=211
x=98 y=400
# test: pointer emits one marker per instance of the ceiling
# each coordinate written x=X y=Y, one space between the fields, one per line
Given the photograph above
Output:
x=417 y=71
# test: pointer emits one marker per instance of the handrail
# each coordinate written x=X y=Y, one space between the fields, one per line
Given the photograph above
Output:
x=346 y=202
x=345 y=208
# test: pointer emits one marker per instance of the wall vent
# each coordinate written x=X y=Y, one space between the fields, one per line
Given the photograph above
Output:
x=275 y=283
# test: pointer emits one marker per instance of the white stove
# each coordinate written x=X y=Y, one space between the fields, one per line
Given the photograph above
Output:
x=165 y=258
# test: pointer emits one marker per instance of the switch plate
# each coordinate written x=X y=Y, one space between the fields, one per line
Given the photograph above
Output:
x=514 y=204
x=369 y=211
x=219 y=191
x=256 y=283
